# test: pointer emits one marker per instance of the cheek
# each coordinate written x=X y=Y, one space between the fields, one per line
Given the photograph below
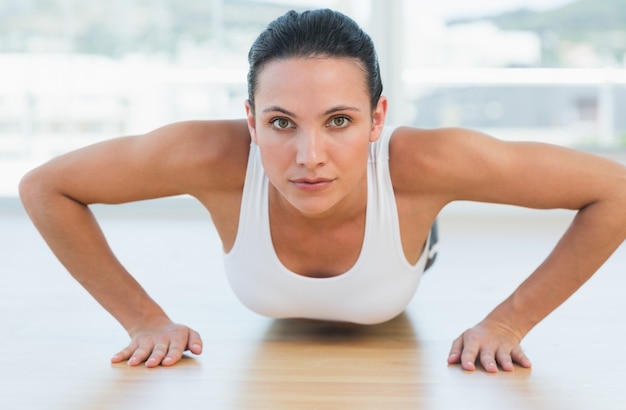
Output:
x=275 y=156
x=355 y=151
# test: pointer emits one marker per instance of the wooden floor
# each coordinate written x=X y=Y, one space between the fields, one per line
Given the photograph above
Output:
x=56 y=341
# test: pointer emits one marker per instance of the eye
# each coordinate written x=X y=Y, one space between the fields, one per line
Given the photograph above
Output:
x=281 y=123
x=339 y=122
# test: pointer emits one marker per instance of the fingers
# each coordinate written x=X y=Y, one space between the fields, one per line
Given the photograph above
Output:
x=454 y=357
x=463 y=352
x=164 y=353
x=189 y=341
x=174 y=353
x=141 y=355
x=492 y=354
x=488 y=360
x=505 y=360
x=195 y=342
x=160 y=348
x=158 y=355
x=520 y=358
x=468 y=357
x=122 y=355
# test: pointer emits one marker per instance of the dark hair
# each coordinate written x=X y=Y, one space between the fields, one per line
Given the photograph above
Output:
x=315 y=33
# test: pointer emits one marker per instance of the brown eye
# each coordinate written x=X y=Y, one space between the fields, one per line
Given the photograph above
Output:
x=281 y=123
x=339 y=122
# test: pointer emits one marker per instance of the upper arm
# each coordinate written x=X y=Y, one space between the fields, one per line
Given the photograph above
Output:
x=458 y=164
x=182 y=158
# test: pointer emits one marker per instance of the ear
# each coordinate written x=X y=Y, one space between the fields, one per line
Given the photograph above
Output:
x=251 y=122
x=378 y=118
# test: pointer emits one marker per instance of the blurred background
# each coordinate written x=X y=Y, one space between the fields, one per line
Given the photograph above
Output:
x=76 y=72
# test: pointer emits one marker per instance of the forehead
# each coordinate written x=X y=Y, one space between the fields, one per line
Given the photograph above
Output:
x=312 y=79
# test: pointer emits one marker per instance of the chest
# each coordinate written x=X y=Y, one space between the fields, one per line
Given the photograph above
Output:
x=327 y=250
x=317 y=250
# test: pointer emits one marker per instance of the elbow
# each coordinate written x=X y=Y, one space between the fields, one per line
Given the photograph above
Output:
x=32 y=189
x=27 y=188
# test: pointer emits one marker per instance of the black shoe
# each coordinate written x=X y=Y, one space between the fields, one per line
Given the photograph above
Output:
x=432 y=246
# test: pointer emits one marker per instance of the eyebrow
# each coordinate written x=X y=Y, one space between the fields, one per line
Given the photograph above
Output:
x=332 y=110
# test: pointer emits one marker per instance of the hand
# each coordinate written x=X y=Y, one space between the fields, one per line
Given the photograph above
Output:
x=490 y=342
x=159 y=345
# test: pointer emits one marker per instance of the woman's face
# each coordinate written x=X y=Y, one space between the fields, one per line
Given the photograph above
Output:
x=313 y=124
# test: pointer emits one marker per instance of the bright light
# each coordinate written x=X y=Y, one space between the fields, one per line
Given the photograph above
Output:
x=515 y=76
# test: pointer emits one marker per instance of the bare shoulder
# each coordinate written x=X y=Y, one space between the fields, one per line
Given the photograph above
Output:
x=433 y=156
x=205 y=153
x=192 y=157
x=461 y=164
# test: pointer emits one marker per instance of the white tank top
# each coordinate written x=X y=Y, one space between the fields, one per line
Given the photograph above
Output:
x=376 y=289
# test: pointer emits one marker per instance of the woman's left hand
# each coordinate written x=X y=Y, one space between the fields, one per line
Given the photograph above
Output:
x=492 y=344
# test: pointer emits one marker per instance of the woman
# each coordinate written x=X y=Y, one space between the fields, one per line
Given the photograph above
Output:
x=323 y=211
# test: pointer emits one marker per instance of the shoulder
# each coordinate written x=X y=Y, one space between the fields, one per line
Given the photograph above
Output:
x=202 y=138
x=199 y=155
x=461 y=164
x=195 y=158
x=425 y=159
x=420 y=143
x=190 y=157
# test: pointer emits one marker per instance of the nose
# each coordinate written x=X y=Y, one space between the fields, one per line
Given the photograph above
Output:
x=311 y=152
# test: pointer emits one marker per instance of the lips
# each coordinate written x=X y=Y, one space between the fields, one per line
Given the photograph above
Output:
x=312 y=184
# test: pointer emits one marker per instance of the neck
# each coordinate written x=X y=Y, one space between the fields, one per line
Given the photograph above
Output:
x=351 y=207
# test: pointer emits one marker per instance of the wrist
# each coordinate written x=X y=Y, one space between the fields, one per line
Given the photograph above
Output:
x=516 y=320
x=146 y=313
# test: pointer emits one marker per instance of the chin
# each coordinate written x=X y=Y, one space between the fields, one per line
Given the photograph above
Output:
x=313 y=207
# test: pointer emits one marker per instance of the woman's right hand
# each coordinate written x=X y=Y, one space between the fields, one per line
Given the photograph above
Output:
x=159 y=345
x=185 y=158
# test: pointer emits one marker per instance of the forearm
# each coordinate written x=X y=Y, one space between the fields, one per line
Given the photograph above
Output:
x=595 y=233
x=72 y=233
